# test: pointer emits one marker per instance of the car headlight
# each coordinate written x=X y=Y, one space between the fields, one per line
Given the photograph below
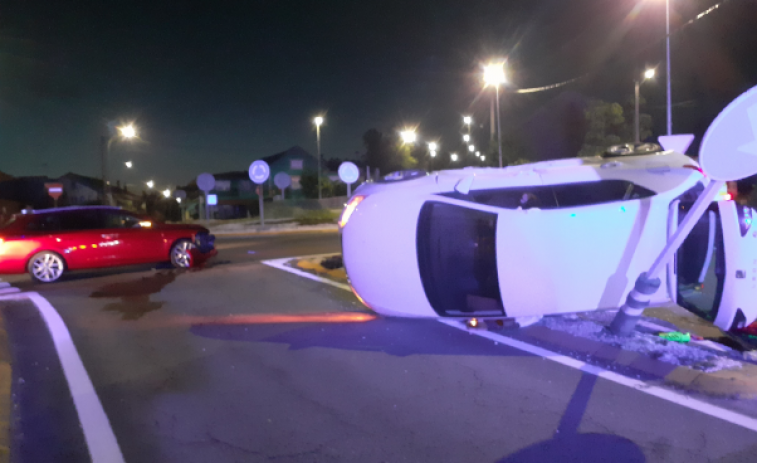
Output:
x=349 y=209
x=745 y=218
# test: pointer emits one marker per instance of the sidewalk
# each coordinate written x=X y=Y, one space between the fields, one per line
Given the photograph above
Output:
x=5 y=393
x=712 y=366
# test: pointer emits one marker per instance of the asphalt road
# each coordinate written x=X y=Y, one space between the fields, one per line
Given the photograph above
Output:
x=198 y=366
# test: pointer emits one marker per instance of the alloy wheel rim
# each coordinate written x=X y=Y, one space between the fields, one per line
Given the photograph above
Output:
x=47 y=268
x=181 y=254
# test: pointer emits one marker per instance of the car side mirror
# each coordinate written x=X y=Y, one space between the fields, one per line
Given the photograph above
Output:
x=465 y=184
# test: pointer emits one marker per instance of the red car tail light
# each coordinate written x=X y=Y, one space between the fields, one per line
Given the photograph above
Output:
x=349 y=209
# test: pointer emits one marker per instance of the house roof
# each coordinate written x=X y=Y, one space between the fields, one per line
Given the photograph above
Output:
x=293 y=151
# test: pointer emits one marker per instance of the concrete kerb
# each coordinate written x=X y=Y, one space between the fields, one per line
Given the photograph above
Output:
x=275 y=230
x=739 y=383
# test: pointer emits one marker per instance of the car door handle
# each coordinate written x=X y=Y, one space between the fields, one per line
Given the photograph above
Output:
x=109 y=236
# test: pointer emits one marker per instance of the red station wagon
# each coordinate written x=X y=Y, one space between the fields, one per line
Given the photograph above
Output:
x=49 y=242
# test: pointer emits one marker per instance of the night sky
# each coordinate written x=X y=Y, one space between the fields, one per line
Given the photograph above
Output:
x=212 y=86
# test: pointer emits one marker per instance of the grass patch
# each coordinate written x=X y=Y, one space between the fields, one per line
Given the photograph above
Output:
x=315 y=217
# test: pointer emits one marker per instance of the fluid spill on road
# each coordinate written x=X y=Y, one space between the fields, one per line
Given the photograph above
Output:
x=135 y=295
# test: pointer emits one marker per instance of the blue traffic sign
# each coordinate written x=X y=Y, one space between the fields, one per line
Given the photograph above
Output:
x=259 y=171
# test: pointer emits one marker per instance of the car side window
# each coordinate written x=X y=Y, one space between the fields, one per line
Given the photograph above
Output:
x=605 y=191
x=511 y=198
x=81 y=220
x=48 y=222
x=120 y=220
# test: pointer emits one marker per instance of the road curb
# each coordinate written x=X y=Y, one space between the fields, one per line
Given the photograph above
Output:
x=731 y=383
x=275 y=232
x=6 y=374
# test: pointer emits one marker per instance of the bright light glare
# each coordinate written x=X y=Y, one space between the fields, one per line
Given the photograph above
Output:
x=167 y=193
x=466 y=138
x=128 y=131
x=318 y=121
x=478 y=153
x=471 y=148
x=453 y=156
x=408 y=136
x=150 y=184
x=483 y=158
x=128 y=164
x=432 y=146
x=145 y=224
x=178 y=200
x=349 y=209
x=649 y=73
x=467 y=120
x=433 y=154
x=494 y=74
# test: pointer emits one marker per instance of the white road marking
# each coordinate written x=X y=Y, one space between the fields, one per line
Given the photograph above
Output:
x=662 y=393
x=4 y=284
x=101 y=441
x=9 y=290
x=279 y=264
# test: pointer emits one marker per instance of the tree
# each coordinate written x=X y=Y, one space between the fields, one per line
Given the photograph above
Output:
x=309 y=184
x=385 y=154
x=607 y=126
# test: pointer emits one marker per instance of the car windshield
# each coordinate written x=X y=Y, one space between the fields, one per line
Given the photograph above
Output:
x=458 y=260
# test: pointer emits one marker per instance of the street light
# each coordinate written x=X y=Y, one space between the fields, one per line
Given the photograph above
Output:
x=471 y=148
x=128 y=164
x=408 y=136
x=648 y=74
x=483 y=158
x=467 y=120
x=466 y=138
x=318 y=121
x=494 y=74
x=127 y=132
x=432 y=146
x=453 y=156
x=166 y=193
x=478 y=153
x=150 y=184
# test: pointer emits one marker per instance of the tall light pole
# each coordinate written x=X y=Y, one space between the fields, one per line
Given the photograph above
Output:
x=494 y=74
x=667 y=46
x=648 y=74
x=318 y=121
x=127 y=132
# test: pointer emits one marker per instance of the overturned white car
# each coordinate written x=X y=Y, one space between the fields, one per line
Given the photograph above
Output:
x=552 y=237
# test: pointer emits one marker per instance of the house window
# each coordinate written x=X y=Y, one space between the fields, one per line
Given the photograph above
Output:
x=295 y=182
x=295 y=164
x=222 y=185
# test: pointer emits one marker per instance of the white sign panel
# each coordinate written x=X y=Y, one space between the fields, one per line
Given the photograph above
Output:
x=212 y=200
x=206 y=182
x=259 y=171
x=729 y=147
x=679 y=143
x=348 y=172
x=282 y=180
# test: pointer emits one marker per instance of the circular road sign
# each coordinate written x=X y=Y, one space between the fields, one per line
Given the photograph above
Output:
x=729 y=147
x=259 y=171
x=348 y=172
x=282 y=180
x=206 y=182
x=181 y=194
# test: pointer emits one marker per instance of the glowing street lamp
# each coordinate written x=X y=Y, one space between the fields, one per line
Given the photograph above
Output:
x=453 y=156
x=408 y=136
x=318 y=121
x=432 y=146
x=167 y=193
x=432 y=154
x=467 y=120
x=478 y=153
x=128 y=131
x=494 y=74
x=466 y=138
x=128 y=164
x=483 y=158
x=150 y=184
x=471 y=148
x=648 y=74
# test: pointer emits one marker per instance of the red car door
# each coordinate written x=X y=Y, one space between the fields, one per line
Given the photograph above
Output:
x=137 y=242
x=81 y=239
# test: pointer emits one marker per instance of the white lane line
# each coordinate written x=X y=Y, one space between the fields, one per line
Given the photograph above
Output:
x=101 y=441
x=9 y=290
x=665 y=394
x=279 y=264
x=4 y=284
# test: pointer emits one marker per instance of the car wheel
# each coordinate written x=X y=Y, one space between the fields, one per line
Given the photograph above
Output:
x=180 y=257
x=46 y=267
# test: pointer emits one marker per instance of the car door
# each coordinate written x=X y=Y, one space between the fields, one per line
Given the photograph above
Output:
x=82 y=239
x=138 y=241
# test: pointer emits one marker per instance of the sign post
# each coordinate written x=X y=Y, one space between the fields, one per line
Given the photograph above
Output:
x=180 y=196
x=55 y=190
x=282 y=181
x=259 y=173
x=206 y=182
x=348 y=173
x=728 y=153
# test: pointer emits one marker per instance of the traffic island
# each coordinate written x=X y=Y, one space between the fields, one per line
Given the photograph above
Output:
x=710 y=362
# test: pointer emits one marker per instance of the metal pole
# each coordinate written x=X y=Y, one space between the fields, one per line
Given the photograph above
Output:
x=647 y=283
x=349 y=190
x=499 y=129
x=636 y=114
x=260 y=204
x=667 y=37
x=103 y=155
x=491 y=122
x=318 y=138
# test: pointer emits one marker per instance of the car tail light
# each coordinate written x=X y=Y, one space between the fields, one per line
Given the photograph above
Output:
x=745 y=218
x=349 y=209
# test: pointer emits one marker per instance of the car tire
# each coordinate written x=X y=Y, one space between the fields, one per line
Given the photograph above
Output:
x=46 y=267
x=180 y=257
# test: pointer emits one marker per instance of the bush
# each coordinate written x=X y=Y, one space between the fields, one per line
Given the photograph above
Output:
x=315 y=217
